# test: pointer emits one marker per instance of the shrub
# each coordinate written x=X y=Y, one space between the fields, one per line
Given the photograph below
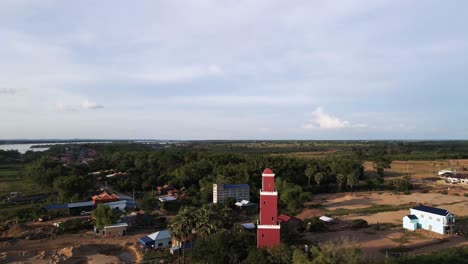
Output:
x=466 y=194
x=359 y=223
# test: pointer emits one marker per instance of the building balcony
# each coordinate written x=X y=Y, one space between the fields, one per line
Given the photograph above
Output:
x=268 y=193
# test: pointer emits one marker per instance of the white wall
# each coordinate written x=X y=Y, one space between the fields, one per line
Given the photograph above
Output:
x=431 y=222
x=407 y=224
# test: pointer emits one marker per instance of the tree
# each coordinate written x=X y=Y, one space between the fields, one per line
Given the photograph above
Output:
x=319 y=177
x=300 y=257
x=381 y=162
x=351 y=180
x=223 y=247
x=72 y=187
x=182 y=226
x=309 y=172
x=104 y=215
x=340 y=181
x=330 y=253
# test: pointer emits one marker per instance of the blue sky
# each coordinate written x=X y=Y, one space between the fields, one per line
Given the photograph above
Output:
x=234 y=69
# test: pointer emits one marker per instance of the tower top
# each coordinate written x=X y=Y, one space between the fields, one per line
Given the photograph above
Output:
x=268 y=172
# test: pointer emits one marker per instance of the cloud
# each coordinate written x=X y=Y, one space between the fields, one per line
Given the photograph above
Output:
x=86 y=104
x=179 y=74
x=8 y=91
x=322 y=120
x=234 y=100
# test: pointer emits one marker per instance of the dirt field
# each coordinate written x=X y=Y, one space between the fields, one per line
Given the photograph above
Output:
x=70 y=248
x=372 y=242
x=419 y=169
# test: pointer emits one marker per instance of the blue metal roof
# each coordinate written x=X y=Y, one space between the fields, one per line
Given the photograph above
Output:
x=412 y=217
x=55 y=207
x=146 y=240
x=431 y=210
x=236 y=186
x=81 y=204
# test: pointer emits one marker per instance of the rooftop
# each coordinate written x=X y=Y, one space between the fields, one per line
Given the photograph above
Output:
x=267 y=171
x=236 y=186
x=432 y=210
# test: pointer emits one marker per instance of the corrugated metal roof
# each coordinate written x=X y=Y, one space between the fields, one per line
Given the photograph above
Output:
x=116 y=225
x=163 y=234
x=145 y=239
x=81 y=204
x=431 y=210
x=55 y=207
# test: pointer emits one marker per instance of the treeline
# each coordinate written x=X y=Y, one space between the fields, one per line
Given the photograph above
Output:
x=396 y=150
x=197 y=170
x=9 y=156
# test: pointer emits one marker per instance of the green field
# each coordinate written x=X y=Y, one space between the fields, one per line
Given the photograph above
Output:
x=12 y=179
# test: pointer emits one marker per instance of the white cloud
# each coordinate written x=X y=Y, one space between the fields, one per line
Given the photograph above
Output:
x=9 y=91
x=322 y=120
x=87 y=104
x=223 y=100
x=179 y=74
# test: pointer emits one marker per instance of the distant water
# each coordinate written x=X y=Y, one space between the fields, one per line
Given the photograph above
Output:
x=22 y=148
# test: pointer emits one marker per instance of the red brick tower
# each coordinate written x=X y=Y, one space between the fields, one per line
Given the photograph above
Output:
x=268 y=231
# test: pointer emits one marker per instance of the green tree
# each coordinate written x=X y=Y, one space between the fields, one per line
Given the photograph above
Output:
x=340 y=181
x=330 y=253
x=351 y=180
x=380 y=163
x=309 y=172
x=104 y=215
x=182 y=226
x=319 y=177
x=300 y=257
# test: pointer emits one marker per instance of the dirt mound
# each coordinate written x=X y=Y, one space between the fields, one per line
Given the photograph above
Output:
x=17 y=231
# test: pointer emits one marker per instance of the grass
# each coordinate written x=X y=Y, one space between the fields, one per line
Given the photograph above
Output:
x=12 y=179
x=369 y=210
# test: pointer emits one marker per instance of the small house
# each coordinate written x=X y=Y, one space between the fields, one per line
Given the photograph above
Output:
x=429 y=218
x=119 y=229
x=160 y=239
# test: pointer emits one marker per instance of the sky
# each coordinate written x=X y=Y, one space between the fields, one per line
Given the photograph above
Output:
x=263 y=69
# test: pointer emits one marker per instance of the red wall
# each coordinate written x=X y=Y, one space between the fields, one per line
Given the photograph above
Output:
x=268 y=210
x=268 y=237
x=268 y=184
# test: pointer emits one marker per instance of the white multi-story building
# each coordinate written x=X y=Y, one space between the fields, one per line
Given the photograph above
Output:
x=429 y=218
x=237 y=191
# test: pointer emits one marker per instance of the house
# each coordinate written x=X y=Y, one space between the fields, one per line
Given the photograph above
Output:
x=165 y=189
x=457 y=178
x=119 y=229
x=429 y=218
x=448 y=170
x=249 y=226
x=237 y=191
x=121 y=205
x=104 y=197
x=160 y=239
x=285 y=219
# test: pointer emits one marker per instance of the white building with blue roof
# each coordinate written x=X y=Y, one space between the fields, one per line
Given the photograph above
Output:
x=237 y=191
x=429 y=218
x=160 y=239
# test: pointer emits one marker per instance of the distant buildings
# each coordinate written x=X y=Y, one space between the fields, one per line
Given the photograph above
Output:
x=429 y=218
x=268 y=231
x=237 y=191
x=455 y=177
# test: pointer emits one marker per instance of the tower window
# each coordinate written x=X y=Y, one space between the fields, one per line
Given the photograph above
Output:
x=264 y=202
x=272 y=218
x=263 y=235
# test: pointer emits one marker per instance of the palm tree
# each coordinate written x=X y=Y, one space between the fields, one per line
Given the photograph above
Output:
x=182 y=227
x=318 y=177
x=309 y=172
x=340 y=180
x=352 y=179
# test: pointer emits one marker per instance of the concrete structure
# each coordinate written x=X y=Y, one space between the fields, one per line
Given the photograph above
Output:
x=237 y=191
x=160 y=239
x=429 y=218
x=457 y=178
x=121 y=205
x=112 y=230
x=268 y=230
